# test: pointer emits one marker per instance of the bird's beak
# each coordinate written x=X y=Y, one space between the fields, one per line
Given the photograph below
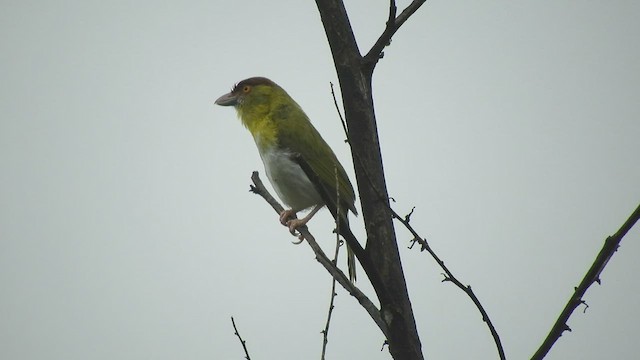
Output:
x=229 y=99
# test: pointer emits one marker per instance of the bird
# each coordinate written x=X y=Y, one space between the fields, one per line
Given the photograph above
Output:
x=284 y=136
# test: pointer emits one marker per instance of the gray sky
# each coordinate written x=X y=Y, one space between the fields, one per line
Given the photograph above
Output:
x=127 y=230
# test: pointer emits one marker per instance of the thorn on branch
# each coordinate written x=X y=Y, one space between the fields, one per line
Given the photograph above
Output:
x=586 y=306
x=385 y=343
x=611 y=245
x=407 y=217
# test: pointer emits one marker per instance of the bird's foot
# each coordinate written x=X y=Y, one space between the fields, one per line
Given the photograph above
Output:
x=294 y=224
x=288 y=218
x=285 y=215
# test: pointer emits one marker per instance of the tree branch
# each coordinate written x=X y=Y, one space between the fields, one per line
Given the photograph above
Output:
x=393 y=24
x=385 y=266
x=259 y=189
x=610 y=246
x=424 y=245
x=325 y=331
x=244 y=343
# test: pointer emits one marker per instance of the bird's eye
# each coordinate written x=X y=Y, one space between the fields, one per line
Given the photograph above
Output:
x=246 y=89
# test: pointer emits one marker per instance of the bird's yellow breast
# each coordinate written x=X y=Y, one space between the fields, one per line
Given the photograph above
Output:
x=261 y=126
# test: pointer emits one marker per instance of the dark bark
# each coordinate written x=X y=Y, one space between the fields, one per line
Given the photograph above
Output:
x=381 y=256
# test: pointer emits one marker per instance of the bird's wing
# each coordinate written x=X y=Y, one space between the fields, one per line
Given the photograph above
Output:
x=315 y=152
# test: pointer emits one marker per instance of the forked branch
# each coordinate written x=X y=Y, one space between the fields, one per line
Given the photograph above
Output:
x=393 y=24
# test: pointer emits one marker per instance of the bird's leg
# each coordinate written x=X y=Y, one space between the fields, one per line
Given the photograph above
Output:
x=294 y=223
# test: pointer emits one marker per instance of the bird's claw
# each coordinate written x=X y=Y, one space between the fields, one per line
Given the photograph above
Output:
x=299 y=241
x=293 y=225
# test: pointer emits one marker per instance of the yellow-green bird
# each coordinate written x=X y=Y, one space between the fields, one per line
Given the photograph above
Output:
x=283 y=133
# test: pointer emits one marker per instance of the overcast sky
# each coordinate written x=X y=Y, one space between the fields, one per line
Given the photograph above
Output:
x=127 y=230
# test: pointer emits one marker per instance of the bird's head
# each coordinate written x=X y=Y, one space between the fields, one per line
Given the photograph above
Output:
x=253 y=96
x=258 y=101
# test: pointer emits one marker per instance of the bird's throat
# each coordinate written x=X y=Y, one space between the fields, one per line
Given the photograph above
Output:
x=262 y=129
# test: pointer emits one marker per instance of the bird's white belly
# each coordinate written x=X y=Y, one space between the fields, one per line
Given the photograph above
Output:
x=289 y=180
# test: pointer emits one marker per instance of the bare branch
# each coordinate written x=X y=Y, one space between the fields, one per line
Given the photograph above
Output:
x=448 y=276
x=325 y=331
x=425 y=246
x=335 y=102
x=381 y=258
x=258 y=188
x=393 y=24
x=393 y=10
x=244 y=343
x=610 y=246
x=408 y=11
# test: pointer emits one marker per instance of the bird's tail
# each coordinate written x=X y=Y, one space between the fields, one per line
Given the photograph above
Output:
x=351 y=264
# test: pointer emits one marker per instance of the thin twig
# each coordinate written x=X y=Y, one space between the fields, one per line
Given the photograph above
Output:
x=610 y=246
x=325 y=332
x=335 y=102
x=244 y=343
x=259 y=189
